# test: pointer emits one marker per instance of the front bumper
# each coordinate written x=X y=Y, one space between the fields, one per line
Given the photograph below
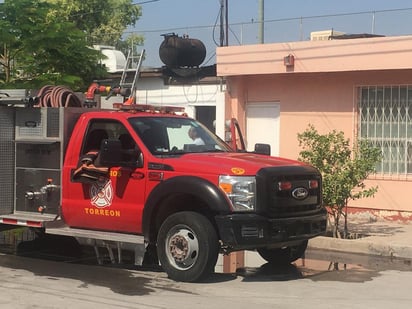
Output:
x=251 y=231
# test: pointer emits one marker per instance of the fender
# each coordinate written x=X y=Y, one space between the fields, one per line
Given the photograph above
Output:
x=207 y=191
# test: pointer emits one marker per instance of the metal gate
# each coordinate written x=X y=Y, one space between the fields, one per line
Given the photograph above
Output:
x=7 y=159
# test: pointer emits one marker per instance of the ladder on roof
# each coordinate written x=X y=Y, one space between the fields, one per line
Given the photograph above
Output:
x=128 y=68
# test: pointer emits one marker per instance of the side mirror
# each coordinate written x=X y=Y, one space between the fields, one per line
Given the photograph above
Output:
x=110 y=152
x=263 y=149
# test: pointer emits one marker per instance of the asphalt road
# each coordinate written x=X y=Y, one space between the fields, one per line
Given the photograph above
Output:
x=321 y=280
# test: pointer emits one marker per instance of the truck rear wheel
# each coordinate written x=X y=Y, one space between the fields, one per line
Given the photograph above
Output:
x=283 y=255
x=187 y=246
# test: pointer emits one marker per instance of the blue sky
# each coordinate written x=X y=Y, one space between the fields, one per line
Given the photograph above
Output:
x=285 y=20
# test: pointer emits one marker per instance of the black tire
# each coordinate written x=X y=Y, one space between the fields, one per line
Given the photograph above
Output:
x=187 y=246
x=283 y=255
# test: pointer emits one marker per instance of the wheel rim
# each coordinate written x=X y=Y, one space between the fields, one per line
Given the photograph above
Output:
x=182 y=247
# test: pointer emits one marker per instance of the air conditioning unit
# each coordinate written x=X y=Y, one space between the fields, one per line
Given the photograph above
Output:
x=324 y=35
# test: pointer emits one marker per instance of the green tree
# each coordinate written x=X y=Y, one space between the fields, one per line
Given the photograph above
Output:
x=49 y=41
x=104 y=22
x=343 y=169
x=44 y=51
x=131 y=43
x=11 y=45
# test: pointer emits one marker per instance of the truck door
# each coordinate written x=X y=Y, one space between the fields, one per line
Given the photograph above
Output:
x=110 y=199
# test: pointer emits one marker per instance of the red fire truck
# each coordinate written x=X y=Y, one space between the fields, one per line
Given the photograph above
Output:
x=136 y=177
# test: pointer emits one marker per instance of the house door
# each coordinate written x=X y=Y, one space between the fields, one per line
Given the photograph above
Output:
x=262 y=125
x=207 y=116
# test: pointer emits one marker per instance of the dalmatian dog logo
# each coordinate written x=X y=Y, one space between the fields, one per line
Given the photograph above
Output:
x=101 y=194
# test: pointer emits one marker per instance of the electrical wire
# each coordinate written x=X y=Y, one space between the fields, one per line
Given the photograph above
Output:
x=198 y=27
x=215 y=26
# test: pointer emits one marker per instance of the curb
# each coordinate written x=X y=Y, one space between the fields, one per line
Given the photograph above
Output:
x=369 y=246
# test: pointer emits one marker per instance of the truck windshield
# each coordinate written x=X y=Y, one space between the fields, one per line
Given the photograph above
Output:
x=175 y=135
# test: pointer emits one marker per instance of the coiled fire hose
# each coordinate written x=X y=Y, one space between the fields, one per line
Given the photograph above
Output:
x=56 y=96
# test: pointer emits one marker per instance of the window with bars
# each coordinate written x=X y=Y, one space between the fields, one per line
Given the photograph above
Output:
x=385 y=119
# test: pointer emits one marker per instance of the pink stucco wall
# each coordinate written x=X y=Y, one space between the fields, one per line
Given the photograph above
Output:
x=319 y=90
x=380 y=53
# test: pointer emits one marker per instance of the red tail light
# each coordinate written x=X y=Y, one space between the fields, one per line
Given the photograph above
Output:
x=313 y=184
x=284 y=185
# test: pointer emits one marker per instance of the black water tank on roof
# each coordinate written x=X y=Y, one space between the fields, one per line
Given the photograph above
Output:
x=178 y=51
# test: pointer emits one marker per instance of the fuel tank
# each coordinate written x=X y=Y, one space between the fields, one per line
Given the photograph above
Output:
x=177 y=51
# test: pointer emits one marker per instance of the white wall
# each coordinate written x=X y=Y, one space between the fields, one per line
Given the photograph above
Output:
x=153 y=91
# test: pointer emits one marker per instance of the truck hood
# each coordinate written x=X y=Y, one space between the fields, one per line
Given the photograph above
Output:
x=226 y=163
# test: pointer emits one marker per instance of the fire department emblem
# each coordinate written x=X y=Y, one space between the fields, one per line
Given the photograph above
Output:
x=101 y=194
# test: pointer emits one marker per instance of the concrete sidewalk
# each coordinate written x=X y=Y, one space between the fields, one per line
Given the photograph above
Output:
x=379 y=238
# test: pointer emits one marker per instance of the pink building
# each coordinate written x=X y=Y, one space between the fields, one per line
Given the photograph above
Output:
x=361 y=86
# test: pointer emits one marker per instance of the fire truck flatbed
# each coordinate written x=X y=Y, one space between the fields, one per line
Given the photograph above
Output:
x=27 y=219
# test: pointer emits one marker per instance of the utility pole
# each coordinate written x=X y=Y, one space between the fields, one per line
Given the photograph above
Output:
x=224 y=23
x=222 y=32
x=261 y=20
x=227 y=23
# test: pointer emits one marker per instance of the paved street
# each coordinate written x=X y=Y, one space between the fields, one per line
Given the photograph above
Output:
x=362 y=273
x=351 y=282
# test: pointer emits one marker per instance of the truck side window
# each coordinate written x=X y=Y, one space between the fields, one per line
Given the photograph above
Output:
x=101 y=129
x=129 y=147
x=89 y=167
x=155 y=138
x=94 y=141
x=127 y=141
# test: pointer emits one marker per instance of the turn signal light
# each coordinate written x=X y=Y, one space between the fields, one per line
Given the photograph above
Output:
x=226 y=187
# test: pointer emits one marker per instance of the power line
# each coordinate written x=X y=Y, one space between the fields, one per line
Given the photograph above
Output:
x=144 y=2
x=277 y=20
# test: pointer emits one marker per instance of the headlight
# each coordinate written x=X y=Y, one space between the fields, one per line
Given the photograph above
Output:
x=241 y=191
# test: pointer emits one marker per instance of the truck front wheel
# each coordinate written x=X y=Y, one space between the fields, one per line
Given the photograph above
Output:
x=187 y=246
x=283 y=255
